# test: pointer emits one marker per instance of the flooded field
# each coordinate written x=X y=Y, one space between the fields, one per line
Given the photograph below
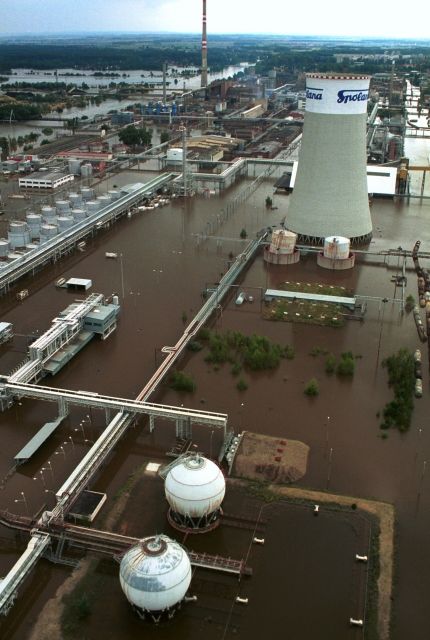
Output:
x=164 y=273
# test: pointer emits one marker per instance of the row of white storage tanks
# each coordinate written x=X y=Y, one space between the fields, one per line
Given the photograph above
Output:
x=155 y=574
x=53 y=220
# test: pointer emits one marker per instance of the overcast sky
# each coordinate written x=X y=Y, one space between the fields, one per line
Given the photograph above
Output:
x=309 y=17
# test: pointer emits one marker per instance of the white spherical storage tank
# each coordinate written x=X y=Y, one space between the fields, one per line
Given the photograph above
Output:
x=155 y=575
x=195 y=489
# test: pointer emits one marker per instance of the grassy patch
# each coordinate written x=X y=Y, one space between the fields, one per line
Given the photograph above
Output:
x=316 y=287
x=305 y=312
x=79 y=603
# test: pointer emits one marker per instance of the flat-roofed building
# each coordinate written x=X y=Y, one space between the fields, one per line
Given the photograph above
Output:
x=45 y=180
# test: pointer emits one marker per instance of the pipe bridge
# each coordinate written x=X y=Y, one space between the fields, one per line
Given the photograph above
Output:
x=97 y=401
x=46 y=530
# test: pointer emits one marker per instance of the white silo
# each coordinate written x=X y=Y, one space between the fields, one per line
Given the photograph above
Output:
x=34 y=220
x=195 y=489
x=330 y=192
x=104 y=200
x=74 y=166
x=75 y=200
x=155 y=576
x=78 y=214
x=48 y=213
x=92 y=206
x=63 y=206
x=47 y=232
x=282 y=248
x=336 y=254
x=4 y=248
x=86 y=170
x=87 y=193
x=65 y=222
x=18 y=234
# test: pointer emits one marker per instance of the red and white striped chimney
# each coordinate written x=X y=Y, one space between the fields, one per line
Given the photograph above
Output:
x=204 y=81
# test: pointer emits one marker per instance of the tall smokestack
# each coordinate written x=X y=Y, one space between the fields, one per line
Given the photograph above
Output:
x=204 y=50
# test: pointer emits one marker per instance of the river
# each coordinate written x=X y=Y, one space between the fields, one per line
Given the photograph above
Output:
x=14 y=130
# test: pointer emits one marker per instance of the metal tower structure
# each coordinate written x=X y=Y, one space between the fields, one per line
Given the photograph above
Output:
x=184 y=185
x=330 y=193
x=204 y=79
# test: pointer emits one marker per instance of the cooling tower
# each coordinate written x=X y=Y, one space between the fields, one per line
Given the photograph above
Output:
x=330 y=192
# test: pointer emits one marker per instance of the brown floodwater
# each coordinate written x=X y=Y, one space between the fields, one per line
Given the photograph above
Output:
x=164 y=273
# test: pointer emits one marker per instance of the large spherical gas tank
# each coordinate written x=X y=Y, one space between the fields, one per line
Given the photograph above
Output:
x=155 y=574
x=195 y=487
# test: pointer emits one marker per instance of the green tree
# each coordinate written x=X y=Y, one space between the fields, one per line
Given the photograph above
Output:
x=164 y=137
x=132 y=136
x=4 y=148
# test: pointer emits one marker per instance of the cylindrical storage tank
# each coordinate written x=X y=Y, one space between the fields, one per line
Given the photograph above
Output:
x=155 y=576
x=195 y=489
x=74 y=166
x=18 y=234
x=63 y=206
x=86 y=170
x=78 y=214
x=48 y=211
x=65 y=222
x=114 y=194
x=336 y=247
x=34 y=220
x=4 y=248
x=92 y=207
x=87 y=193
x=104 y=201
x=13 y=256
x=48 y=231
x=76 y=200
x=330 y=193
x=283 y=241
x=282 y=249
x=32 y=245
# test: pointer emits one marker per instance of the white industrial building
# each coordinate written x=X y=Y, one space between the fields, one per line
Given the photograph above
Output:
x=45 y=180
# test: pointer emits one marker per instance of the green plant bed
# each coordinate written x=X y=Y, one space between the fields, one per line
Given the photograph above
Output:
x=316 y=287
x=317 y=313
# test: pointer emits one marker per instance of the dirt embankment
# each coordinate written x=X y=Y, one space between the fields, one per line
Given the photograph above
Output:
x=266 y=458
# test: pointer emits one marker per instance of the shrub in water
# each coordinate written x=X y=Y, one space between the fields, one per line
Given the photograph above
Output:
x=312 y=388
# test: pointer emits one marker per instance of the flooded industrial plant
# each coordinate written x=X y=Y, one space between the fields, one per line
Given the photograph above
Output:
x=214 y=363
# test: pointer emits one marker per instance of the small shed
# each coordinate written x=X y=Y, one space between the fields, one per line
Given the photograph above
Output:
x=79 y=284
